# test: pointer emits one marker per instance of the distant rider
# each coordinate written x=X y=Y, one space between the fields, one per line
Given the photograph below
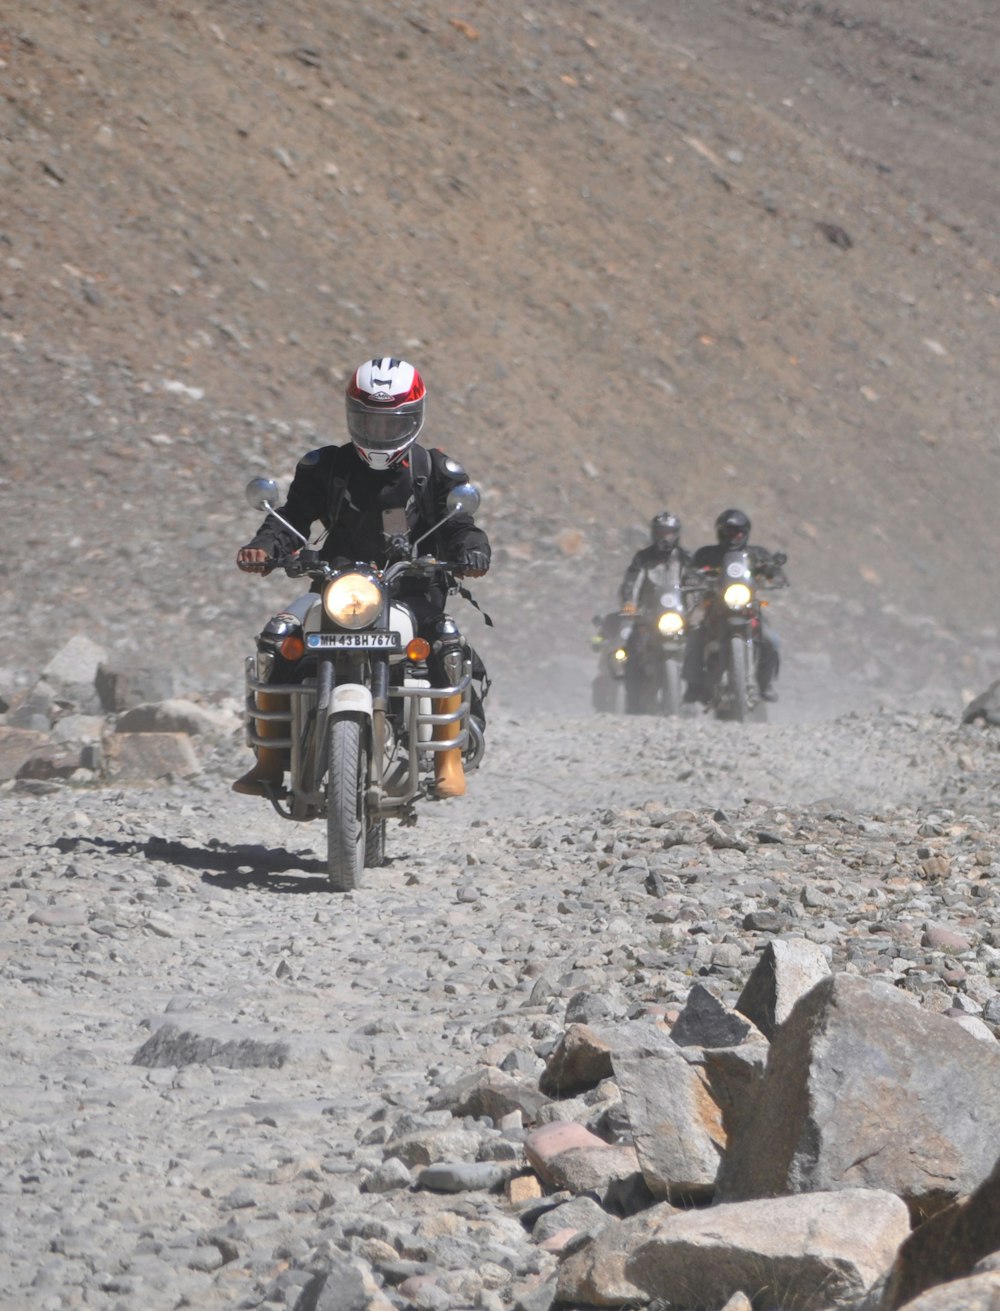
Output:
x=640 y=591
x=732 y=532
x=664 y=542
x=368 y=494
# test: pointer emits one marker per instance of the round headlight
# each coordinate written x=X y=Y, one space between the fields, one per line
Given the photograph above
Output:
x=621 y=655
x=737 y=596
x=352 y=600
x=670 y=623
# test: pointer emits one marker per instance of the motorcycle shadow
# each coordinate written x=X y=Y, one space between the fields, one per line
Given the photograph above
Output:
x=220 y=864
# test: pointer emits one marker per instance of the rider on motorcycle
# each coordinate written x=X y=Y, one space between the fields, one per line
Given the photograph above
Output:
x=370 y=495
x=665 y=538
x=639 y=587
x=732 y=531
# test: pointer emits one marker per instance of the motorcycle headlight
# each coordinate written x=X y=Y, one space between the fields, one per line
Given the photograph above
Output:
x=737 y=596
x=670 y=623
x=352 y=600
x=621 y=655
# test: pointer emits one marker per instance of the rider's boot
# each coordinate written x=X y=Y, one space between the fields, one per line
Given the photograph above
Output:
x=269 y=767
x=449 y=771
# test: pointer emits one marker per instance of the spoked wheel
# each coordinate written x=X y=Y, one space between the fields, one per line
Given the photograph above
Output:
x=346 y=781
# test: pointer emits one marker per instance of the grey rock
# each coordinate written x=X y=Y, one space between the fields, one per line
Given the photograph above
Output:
x=121 y=686
x=147 y=757
x=949 y=1246
x=809 y=1252
x=339 y=1287
x=676 y=1124
x=705 y=1021
x=865 y=1088
x=787 y=969
x=171 y=1045
x=391 y=1175
x=461 y=1176
x=75 y=665
x=985 y=707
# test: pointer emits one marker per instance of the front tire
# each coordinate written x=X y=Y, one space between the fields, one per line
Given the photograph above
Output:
x=671 y=695
x=346 y=781
x=739 y=673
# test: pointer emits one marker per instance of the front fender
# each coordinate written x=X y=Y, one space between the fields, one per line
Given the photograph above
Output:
x=350 y=699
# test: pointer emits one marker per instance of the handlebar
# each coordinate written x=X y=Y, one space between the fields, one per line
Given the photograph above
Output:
x=306 y=563
x=764 y=580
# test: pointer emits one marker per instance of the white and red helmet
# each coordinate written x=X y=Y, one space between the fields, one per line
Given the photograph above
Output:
x=385 y=410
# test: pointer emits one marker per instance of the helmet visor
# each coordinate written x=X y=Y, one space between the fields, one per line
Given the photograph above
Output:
x=383 y=430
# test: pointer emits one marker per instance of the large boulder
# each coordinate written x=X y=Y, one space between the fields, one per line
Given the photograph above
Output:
x=810 y=1253
x=863 y=1088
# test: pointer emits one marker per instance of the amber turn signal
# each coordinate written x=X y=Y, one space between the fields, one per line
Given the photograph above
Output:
x=293 y=648
x=418 y=648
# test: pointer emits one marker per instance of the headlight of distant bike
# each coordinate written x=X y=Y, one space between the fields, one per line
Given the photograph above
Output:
x=670 y=623
x=737 y=596
x=352 y=600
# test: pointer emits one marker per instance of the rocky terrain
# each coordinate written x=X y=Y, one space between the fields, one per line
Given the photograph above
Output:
x=226 y=1087
x=666 y=1013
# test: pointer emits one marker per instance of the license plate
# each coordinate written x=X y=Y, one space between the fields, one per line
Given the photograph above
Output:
x=353 y=641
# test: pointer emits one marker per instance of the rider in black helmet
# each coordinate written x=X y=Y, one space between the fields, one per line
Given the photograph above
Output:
x=732 y=532
x=664 y=538
x=639 y=588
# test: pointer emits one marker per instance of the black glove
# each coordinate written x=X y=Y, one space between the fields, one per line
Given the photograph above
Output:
x=474 y=562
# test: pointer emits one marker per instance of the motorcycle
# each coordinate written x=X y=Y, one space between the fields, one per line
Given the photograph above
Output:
x=342 y=688
x=731 y=616
x=656 y=649
x=610 y=642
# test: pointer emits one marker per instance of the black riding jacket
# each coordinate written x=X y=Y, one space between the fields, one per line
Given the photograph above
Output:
x=643 y=562
x=710 y=557
x=362 y=509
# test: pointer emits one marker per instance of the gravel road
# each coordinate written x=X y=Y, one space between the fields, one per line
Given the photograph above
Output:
x=140 y=918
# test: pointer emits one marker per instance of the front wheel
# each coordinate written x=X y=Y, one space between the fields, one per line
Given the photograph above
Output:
x=346 y=781
x=739 y=674
x=670 y=703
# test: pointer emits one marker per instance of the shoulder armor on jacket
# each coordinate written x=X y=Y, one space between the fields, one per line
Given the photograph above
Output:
x=310 y=458
x=452 y=469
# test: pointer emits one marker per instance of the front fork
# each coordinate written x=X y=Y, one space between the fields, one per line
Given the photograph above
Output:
x=380 y=710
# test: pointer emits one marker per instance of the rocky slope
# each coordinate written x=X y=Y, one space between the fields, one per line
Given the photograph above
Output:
x=725 y=256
